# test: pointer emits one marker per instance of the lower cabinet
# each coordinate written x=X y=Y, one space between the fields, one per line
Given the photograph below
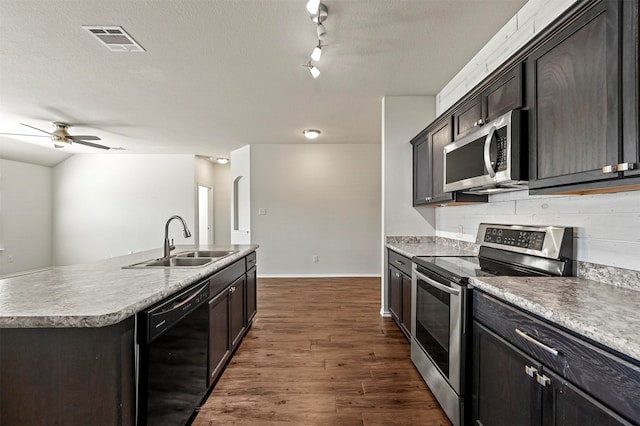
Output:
x=399 y=294
x=529 y=372
x=231 y=311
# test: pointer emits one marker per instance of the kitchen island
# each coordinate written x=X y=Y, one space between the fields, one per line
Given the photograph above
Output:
x=68 y=336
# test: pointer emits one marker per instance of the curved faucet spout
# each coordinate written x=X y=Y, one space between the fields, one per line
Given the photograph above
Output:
x=167 y=245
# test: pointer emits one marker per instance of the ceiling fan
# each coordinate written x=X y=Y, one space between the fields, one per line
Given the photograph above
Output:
x=61 y=137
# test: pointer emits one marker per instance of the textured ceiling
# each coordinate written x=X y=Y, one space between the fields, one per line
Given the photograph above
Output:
x=220 y=74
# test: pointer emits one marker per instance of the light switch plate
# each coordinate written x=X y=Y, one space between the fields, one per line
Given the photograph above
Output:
x=262 y=212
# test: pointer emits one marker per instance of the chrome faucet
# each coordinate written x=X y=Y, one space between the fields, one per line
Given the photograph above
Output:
x=169 y=246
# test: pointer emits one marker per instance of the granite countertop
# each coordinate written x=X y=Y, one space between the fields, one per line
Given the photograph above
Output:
x=430 y=246
x=98 y=294
x=606 y=314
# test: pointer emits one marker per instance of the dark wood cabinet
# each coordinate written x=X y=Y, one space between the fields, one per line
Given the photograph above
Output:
x=252 y=281
x=237 y=311
x=503 y=394
x=555 y=378
x=399 y=292
x=428 y=167
x=502 y=95
x=582 y=86
x=219 y=336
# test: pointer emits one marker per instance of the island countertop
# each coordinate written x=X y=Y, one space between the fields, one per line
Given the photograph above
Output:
x=603 y=313
x=101 y=293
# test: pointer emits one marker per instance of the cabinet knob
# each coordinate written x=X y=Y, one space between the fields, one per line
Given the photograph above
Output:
x=479 y=123
x=232 y=290
x=397 y=275
x=429 y=198
x=611 y=168
x=531 y=371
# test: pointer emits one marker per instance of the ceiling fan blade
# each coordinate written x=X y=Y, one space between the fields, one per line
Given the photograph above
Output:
x=93 y=145
x=35 y=128
x=23 y=134
x=77 y=138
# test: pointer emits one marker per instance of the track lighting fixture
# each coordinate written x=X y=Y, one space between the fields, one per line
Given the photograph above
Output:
x=312 y=6
x=315 y=72
x=322 y=31
x=317 y=52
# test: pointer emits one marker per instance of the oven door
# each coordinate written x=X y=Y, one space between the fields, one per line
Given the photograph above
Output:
x=436 y=323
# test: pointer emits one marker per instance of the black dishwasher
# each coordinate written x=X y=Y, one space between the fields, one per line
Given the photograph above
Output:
x=173 y=339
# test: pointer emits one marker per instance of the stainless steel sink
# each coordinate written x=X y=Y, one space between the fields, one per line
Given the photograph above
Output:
x=185 y=259
x=205 y=253
x=173 y=262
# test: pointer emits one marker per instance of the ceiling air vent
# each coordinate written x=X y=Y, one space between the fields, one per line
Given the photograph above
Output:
x=114 y=37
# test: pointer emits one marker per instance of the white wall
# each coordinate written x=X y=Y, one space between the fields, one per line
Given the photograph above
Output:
x=241 y=195
x=25 y=216
x=534 y=16
x=109 y=205
x=319 y=200
x=607 y=225
x=218 y=178
x=403 y=117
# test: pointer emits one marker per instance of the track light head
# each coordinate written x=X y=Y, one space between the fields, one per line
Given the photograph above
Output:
x=317 y=52
x=322 y=31
x=312 y=6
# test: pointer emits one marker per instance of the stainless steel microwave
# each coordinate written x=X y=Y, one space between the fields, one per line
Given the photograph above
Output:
x=491 y=159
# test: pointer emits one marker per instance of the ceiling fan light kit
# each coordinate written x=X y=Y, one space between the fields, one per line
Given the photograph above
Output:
x=61 y=137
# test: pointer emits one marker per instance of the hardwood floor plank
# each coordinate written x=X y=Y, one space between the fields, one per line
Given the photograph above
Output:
x=319 y=353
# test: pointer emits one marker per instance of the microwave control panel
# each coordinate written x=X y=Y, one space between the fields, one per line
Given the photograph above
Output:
x=500 y=137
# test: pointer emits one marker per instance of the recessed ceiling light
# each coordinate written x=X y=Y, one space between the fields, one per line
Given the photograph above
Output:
x=311 y=133
x=222 y=160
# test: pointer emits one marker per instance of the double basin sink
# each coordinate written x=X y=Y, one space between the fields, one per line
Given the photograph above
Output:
x=185 y=259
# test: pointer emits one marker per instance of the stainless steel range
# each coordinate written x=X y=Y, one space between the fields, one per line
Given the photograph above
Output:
x=441 y=311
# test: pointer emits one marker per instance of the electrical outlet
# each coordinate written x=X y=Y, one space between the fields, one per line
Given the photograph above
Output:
x=315 y=258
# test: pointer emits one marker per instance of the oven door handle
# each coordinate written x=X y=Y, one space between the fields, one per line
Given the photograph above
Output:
x=437 y=285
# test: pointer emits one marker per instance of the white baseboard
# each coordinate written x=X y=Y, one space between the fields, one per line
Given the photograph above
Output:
x=385 y=313
x=355 y=275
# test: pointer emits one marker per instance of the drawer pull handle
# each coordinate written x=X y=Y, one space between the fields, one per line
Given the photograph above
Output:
x=623 y=167
x=399 y=262
x=525 y=336
x=612 y=168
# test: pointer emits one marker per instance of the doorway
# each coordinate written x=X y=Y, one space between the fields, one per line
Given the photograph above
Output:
x=205 y=215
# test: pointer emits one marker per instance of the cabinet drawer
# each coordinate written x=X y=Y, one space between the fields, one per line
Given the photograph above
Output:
x=605 y=376
x=251 y=260
x=400 y=262
x=222 y=279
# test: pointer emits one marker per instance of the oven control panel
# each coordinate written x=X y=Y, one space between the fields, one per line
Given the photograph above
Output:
x=532 y=240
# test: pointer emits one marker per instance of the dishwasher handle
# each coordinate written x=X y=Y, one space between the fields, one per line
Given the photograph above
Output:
x=164 y=316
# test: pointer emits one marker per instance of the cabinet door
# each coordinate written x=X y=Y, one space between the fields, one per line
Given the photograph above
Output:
x=502 y=392
x=219 y=341
x=395 y=293
x=565 y=404
x=421 y=170
x=574 y=90
x=631 y=87
x=406 y=302
x=504 y=95
x=438 y=138
x=251 y=294
x=466 y=117
x=237 y=310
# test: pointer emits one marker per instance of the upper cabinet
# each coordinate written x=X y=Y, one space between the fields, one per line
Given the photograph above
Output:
x=583 y=102
x=503 y=95
x=428 y=167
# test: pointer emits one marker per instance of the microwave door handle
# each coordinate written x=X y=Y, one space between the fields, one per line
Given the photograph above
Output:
x=437 y=285
x=487 y=150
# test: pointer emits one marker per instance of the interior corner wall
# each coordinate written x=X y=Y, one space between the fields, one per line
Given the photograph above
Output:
x=240 y=189
x=110 y=205
x=403 y=117
x=218 y=178
x=25 y=216
x=318 y=200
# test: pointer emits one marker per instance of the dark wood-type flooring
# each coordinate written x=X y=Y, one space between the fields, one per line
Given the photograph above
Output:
x=319 y=353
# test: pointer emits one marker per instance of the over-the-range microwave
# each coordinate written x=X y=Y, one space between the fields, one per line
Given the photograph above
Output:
x=491 y=159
